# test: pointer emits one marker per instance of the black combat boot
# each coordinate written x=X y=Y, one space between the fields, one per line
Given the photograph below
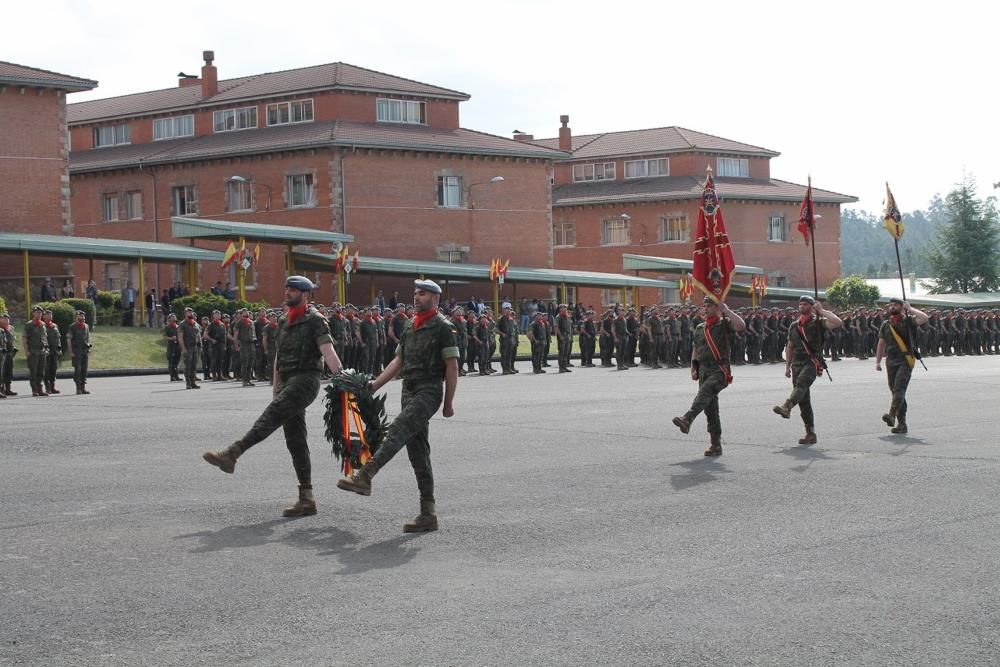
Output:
x=716 y=448
x=226 y=459
x=900 y=428
x=306 y=505
x=425 y=522
x=9 y=391
x=360 y=481
x=809 y=438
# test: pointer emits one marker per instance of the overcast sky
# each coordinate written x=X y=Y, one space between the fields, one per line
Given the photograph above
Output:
x=854 y=93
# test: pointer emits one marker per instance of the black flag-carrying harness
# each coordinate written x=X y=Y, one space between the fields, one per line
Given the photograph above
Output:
x=818 y=361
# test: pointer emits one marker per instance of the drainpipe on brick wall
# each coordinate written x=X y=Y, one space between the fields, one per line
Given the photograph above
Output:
x=343 y=191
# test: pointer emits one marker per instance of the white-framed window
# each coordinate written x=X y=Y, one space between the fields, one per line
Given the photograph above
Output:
x=609 y=297
x=732 y=167
x=564 y=233
x=300 y=190
x=776 y=229
x=614 y=231
x=168 y=128
x=449 y=191
x=244 y=118
x=239 y=196
x=132 y=201
x=400 y=111
x=600 y=171
x=112 y=135
x=283 y=113
x=670 y=295
x=453 y=255
x=673 y=228
x=109 y=207
x=185 y=200
x=643 y=168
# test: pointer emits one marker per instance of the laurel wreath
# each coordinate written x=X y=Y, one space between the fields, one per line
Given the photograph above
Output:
x=345 y=440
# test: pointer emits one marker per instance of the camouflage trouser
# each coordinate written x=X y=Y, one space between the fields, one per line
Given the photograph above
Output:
x=36 y=370
x=287 y=409
x=173 y=358
x=247 y=357
x=190 y=365
x=80 y=362
x=899 y=379
x=51 y=368
x=7 y=368
x=410 y=430
x=803 y=375
x=711 y=381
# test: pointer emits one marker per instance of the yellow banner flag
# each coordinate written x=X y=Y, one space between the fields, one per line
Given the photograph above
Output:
x=893 y=218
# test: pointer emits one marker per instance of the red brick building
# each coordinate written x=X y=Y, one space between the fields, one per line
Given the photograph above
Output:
x=332 y=147
x=638 y=192
x=34 y=160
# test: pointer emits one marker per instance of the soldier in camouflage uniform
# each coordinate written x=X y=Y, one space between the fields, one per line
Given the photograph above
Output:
x=79 y=350
x=36 y=343
x=461 y=336
x=6 y=345
x=803 y=360
x=506 y=327
x=270 y=335
x=427 y=354
x=170 y=332
x=896 y=345
x=55 y=352
x=564 y=337
x=710 y=369
x=245 y=337
x=303 y=344
x=536 y=334
x=190 y=339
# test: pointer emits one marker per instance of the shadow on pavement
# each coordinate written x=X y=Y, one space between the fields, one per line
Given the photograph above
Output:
x=805 y=453
x=326 y=541
x=904 y=440
x=699 y=471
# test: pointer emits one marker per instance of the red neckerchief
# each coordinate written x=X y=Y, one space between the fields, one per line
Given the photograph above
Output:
x=172 y=325
x=81 y=325
x=217 y=320
x=295 y=313
x=896 y=319
x=50 y=325
x=368 y=318
x=459 y=318
x=273 y=325
x=709 y=323
x=420 y=318
x=804 y=319
x=190 y=318
x=339 y=316
x=248 y=320
x=37 y=323
x=350 y=316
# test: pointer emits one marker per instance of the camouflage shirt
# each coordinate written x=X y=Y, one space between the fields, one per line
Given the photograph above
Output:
x=424 y=351
x=298 y=344
x=722 y=333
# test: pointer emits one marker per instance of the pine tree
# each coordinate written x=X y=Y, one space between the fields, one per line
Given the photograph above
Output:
x=966 y=254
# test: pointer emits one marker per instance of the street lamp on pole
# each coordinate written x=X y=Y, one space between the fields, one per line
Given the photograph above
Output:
x=241 y=179
x=468 y=189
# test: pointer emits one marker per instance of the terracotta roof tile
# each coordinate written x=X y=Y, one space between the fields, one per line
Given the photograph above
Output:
x=687 y=187
x=11 y=73
x=304 y=135
x=272 y=84
x=652 y=141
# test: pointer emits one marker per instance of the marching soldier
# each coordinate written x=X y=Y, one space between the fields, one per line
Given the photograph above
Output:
x=655 y=328
x=171 y=332
x=79 y=351
x=189 y=339
x=426 y=359
x=55 y=352
x=896 y=345
x=36 y=342
x=804 y=360
x=303 y=345
x=619 y=330
x=461 y=336
x=206 y=352
x=710 y=368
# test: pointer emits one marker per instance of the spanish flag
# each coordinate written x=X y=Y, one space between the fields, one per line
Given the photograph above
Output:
x=893 y=218
x=230 y=255
x=493 y=268
x=256 y=254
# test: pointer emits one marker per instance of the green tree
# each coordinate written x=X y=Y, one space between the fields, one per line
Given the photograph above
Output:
x=852 y=292
x=965 y=256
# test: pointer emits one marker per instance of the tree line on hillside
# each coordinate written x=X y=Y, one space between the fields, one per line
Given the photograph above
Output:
x=955 y=242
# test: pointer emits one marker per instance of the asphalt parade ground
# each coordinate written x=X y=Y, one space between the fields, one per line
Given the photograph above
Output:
x=578 y=527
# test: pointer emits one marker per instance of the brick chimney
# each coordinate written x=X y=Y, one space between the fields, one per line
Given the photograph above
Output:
x=521 y=136
x=565 y=135
x=184 y=80
x=209 y=76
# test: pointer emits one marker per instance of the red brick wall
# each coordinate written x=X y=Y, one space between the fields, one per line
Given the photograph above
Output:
x=391 y=209
x=32 y=165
